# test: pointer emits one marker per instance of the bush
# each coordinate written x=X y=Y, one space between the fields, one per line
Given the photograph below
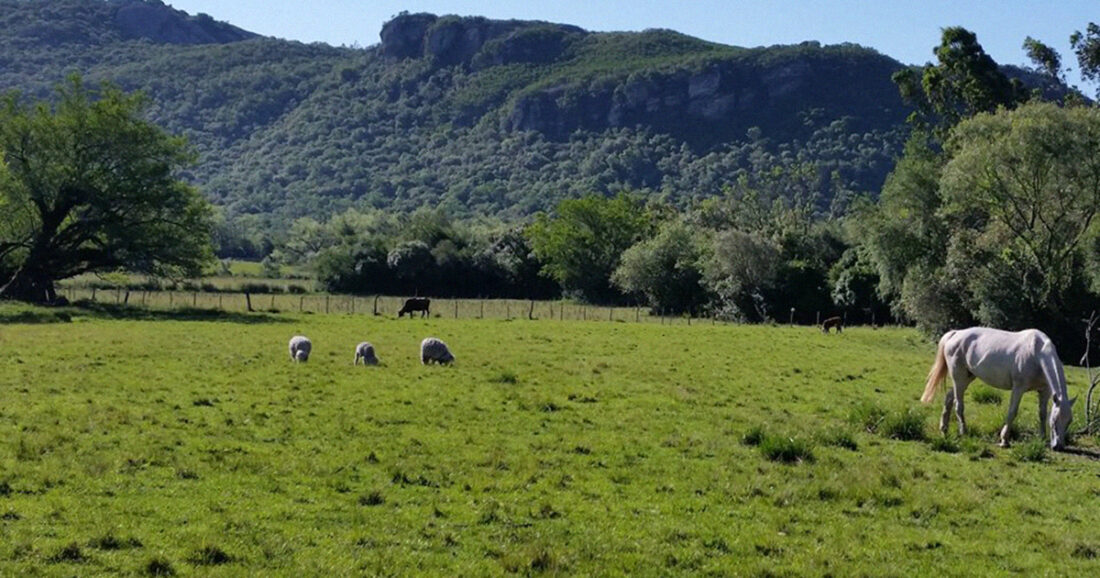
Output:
x=785 y=449
x=867 y=415
x=986 y=395
x=1034 y=450
x=839 y=438
x=905 y=425
x=753 y=437
x=946 y=444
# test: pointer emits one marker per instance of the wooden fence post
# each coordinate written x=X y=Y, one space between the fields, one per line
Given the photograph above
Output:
x=456 y=308
x=326 y=303
x=247 y=300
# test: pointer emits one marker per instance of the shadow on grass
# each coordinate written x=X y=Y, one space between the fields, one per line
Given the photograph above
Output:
x=19 y=313
x=1091 y=454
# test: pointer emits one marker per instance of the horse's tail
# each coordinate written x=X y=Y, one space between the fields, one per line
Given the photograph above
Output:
x=936 y=375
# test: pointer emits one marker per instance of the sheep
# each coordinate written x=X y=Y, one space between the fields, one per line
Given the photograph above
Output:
x=300 y=347
x=365 y=351
x=432 y=349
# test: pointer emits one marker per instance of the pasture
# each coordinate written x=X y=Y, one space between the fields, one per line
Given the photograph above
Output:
x=175 y=445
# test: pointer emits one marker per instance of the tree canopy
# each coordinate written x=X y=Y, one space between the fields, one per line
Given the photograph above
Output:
x=88 y=185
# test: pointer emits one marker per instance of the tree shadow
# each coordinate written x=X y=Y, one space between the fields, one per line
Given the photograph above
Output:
x=131 y=312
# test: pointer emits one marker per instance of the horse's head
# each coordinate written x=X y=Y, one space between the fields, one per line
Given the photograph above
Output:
x=1060 y=417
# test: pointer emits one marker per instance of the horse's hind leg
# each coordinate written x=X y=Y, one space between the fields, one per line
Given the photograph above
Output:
x=960 y=379
x=948 y=405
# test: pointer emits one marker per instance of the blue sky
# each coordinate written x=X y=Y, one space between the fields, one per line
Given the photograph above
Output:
x=904 y=29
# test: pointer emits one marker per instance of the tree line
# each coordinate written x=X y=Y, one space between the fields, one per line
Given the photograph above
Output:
x=988 y=217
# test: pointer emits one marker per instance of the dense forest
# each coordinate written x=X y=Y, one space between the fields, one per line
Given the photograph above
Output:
x=525 y=115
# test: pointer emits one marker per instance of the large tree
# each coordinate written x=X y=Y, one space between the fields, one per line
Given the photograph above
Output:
x=1087 y=48
x=88 y=185
x=582 y=242
x=999 y=229
x=964 y=81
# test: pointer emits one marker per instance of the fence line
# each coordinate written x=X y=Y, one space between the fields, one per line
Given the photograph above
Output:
x=382 y=305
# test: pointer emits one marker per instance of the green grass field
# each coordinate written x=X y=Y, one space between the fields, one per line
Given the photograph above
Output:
x=191 y=445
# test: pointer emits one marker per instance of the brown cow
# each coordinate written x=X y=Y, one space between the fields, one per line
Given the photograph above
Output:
x=832 y=322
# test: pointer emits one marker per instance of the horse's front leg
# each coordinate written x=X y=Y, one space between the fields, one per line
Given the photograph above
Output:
x=1013 y=405
x=948 y=405
x=1044 y=405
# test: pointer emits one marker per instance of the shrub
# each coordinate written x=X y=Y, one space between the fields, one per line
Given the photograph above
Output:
x=374 y=498
x=905 y=425
x=867 y=415
x=159 y=567
x=839 y=438
x=946 y=444
x=70 y=553
x=986 y=395
x=210 y=556
x=785 y=449
x=507 y=377
x=1034 y=450
x=753 y=437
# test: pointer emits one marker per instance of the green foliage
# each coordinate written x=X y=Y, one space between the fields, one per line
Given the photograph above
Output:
x=907 y=425
x=1033 y=450
x=965 y=81
x=285 y=129
x=90 y=187
x=986 y=395
x=1087 y=49
x=666 y=269
x=582 y=242
x=789 y=450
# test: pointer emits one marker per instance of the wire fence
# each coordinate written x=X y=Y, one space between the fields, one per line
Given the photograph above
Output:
x=372 y=305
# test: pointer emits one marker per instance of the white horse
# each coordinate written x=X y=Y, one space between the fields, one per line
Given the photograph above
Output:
x=1021 y=361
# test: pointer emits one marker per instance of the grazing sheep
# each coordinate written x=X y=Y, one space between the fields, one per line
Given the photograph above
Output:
x=365 y=352
x=432 y=349
x=300 y=347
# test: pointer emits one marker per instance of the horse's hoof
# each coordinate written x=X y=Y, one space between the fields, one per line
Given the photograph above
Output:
x=1003 y=444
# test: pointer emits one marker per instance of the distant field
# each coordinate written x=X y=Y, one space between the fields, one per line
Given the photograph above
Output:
x=188 y=442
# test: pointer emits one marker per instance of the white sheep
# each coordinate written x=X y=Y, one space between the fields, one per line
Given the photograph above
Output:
x=432 y=349
x=365 y=351
x=300 y=346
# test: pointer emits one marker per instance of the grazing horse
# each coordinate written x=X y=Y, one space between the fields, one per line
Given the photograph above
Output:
x=420 y=304
x=1021 y=361
x=832 y=322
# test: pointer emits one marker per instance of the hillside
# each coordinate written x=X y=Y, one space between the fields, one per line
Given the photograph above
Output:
x=475 y=115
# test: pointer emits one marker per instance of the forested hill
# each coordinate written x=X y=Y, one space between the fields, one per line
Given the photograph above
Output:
x=475 y=115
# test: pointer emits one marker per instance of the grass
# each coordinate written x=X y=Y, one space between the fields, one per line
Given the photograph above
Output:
x=183 y=445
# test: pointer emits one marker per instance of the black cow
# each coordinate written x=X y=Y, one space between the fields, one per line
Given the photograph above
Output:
x=416 y=304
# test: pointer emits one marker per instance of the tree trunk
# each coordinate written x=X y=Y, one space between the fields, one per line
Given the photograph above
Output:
x=29 y=285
